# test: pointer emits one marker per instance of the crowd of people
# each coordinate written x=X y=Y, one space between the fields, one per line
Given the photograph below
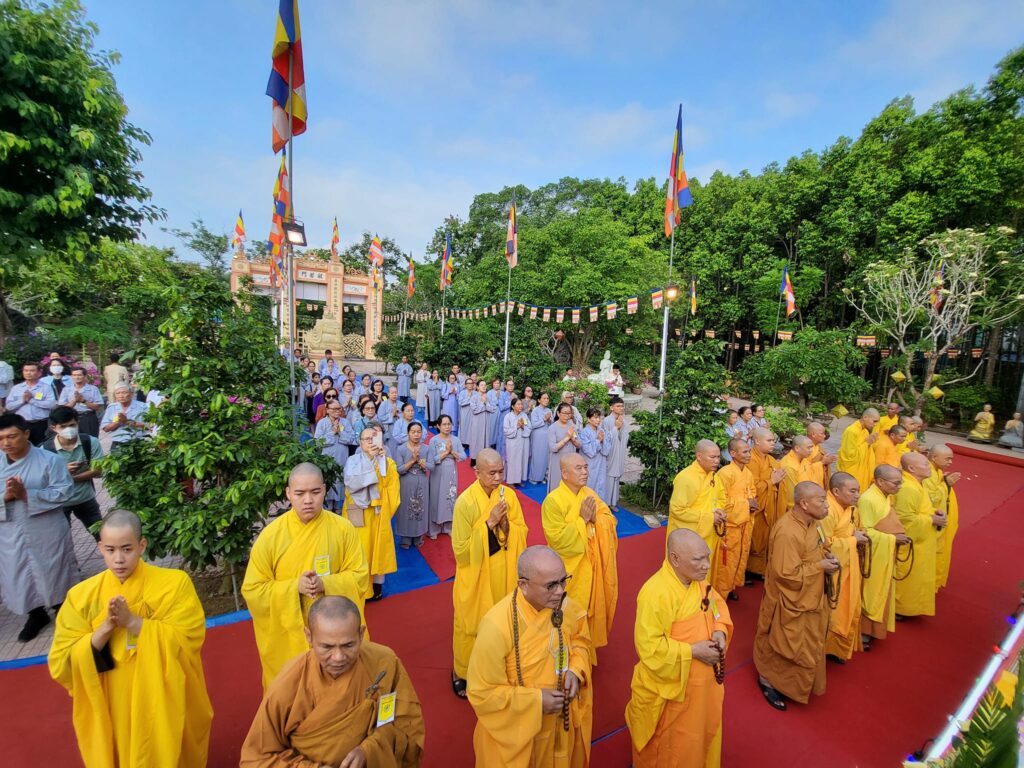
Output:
x=846 y=544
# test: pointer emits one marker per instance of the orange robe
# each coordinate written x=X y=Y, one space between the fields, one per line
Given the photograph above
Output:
x=735 y=490
x=797 y=471
x=789 y=645
x=309 y=718
x=761 y=467
x=675 y=711
x=915 y=590
x=887 y=452
x=819 y=472
x=844 y=621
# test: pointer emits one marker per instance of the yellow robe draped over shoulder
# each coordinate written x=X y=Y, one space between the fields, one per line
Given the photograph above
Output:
x=819 y=472
x=735 y=490
x=675 y=711
x=761 y=467
x=481 y=579
x=885 y=423
x=797 y=471
x=886 y=451
x=855 y=455
x=878 y=597
x=844 y=620
x=589 y=553
x=283 y=551
x=693 y=503
x=375 y=533
x=511 y=730
x=151 y=708
x=943 y=497
x=915 y=594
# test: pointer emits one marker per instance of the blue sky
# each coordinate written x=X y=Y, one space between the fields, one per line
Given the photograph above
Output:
x=415 y=107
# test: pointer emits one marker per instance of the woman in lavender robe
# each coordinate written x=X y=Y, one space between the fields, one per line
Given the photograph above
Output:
x=465 y=411
x=389 y=412
x=516 y=428
x=411 y=520
x=331 y=429
x=400 y=429
x=596 y=445
x=435 y=389
x=478 y=422
x=450 y=399
x=562 y=440
x=443 y=455
x=540 y=420
x=529 y=402
x=493 y=416
x=505 y=398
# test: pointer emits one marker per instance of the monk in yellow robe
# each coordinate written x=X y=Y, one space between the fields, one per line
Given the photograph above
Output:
x=581 y=529
x=889 y=420
x=694 y=502
x=299 y=557
x=821 y=460
x=915 y=436
x=346 y=701
x=939 y=486
x=887 y=448
x=735 y=485
x=877 y=518
x=371 y=500
x=855 y=455
x=488 y=535
x=529 y=675
x=682 y=631
x=799 y=468
x=127 y=648
x=767 y=477
x=789 y=644
x=915 y=591
x=848 y=545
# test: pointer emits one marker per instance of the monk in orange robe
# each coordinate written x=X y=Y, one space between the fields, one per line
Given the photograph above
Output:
x=346 y=701
x=789 y=645
x=887 y=447
x=889 y=420
x=855 y=454
x=848 y=545
x=735 y=486
x=767 y=477
x=799 y=468
x=822 y=461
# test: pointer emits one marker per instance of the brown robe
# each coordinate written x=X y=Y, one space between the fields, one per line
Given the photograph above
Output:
x=308 y=719
x=789 y=647
x=761 y=467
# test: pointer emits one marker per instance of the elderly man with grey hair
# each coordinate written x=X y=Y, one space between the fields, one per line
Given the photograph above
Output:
x=125 y=418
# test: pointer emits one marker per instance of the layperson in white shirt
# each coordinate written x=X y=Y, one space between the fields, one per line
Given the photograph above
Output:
x=32 y=400
x=86 y=399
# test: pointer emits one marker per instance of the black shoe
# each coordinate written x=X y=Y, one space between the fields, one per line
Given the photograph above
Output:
x=773 y=697
x=833 y=658
x=37 y=619
x=900 y=617
x=732 y=596
x=865 y=642
x=378 y=593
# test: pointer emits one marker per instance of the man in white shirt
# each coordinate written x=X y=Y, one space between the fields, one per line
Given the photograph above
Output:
x=86 y=399
x=32 y=400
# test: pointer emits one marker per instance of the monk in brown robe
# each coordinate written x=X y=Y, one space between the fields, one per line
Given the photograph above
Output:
x=346 y=702
x=735 y=487
x=789 y=646
x=767 y=476
x=821 y=460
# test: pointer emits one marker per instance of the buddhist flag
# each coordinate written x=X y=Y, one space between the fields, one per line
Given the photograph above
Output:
x=657 y=297
x=376 y=257
x=446 y=263
x=559 y=315
x=547 y=314
x=593 y=314
x=935 y=294
x=785 y=335
x=512 y=238
x=576 y=314
x=238 y=241
x=610 y=310
x=533 y=312
x=520 y=308
x=632 y=304
x=693 y=297
x=335 y=239
x=282 y=212
x=786 y=289
x=287 y=46
x=677 y=196
x=412 y=277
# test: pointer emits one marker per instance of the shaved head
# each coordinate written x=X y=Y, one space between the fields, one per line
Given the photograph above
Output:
x=304 y=470
x=887 y=472
x=333 y=608
x=762 y=434
x=122 y=518
x=684 y=538
x=802 y=441
x=870 y=413
x=916 y=464
x=805 y=490
x=489 y=457
x=537 y=557
x=816 y=431
x=941 y=456
x=706 y=446
x=708 y=455
x=688 y=555
x=542 y=577
x=736 y=443
x=839 y=479
x=844 y=488
x=809 y=501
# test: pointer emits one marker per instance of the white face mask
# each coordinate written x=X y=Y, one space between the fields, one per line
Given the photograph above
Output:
x=56 y=370
x=68 y=433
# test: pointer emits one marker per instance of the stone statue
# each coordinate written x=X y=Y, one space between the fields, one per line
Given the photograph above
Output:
x=604 y=374
x=326 y=334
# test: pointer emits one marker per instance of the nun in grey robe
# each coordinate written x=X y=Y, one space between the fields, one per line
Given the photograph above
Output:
x=435 y=391
x=478 y=423
x=411 y=519
x=562 y=440
x=450 y=401
x=465 y=414
x=444 y=480
x=595 y=445
x=493 y=417
x=517 y=444
x=540 y=420
x=335 y=445
x=619 y=439
x=404 y=373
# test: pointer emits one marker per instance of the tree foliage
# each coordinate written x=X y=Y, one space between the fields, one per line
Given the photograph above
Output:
x=224 y=445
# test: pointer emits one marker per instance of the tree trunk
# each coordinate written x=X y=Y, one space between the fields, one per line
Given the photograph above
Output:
x=5 y=321
x=995 y=338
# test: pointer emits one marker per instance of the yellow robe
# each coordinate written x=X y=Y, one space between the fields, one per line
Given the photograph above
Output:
x=588 y=551
x=844 y=620
x=151 y=708
x=283 y=551
x=375 y=533
x=878 y=597
x=511 y=730
x=983 y=424
x=887 y=452
x=885 y=423
x=819 y=472
x=797 y=471
x=761 y=467
x=915 y=594
x=943 y=497
x=675 y=711
x=693 y=502
x=735 y=490
x=481 y=579
x=855 y=455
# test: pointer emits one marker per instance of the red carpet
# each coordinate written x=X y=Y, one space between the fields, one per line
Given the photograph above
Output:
x=879 y=707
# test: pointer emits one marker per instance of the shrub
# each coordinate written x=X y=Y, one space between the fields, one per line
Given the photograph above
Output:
x=964 y=402
x=588 y=394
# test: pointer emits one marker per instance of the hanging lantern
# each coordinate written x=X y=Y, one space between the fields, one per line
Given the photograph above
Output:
x=936 y=393
x=898 y=377
x=839 y=411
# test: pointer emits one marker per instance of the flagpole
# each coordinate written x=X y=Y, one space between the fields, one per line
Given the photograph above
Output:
x=405 y=315
x=444 y=297
x=508 y=316
x=290 y=259
x=664 y=322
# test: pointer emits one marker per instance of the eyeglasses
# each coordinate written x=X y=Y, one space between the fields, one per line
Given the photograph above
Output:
x=330 y=397
x=551 y=586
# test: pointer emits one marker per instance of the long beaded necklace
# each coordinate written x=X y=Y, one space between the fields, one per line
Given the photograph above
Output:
x=556 y=621
x=718 y=666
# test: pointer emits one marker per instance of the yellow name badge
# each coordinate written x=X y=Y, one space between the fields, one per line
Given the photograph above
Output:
x=39 y=395
x=322 y=565
x=386 y=709
x=130 y=641
x=562 y=661
x=714 y=611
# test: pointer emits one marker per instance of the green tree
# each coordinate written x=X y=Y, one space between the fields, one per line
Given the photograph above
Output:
x=224 y=445
x=69 y=157
x=211 y=247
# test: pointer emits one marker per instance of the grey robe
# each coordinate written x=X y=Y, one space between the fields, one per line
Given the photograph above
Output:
x=444 y=483
x=404 y=371
x=422 y=377
x=465 y=413
x=411 y=518
x=556 y=433
x=517 y=447
x=619 y=439
x=476 y=436
x=596 y=452
x=539 y=443
x=334 y=446
x=37 y=559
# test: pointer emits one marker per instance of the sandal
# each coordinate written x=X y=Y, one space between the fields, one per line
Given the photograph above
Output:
x=773 y=697
x=458 y=686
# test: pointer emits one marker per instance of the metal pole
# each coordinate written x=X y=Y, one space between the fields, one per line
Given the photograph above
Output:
x=508 y=316
x=444 y=297
x=290 y=260
x=664 y=322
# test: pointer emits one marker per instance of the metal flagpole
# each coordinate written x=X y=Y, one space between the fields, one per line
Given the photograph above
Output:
x=405 y=314
x=664 y=322
x=508 y=316
x=444 y=297
x=290 y=260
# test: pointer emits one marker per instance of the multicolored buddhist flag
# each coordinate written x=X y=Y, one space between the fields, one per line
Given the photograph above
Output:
x=446 y=263
x=935 y=295
x=611 y=310
x=593 y=314
x=287 y=55
x=576 y=314
x=376 y=257
x=632 y=305
x=785 y=335
x=678 y=195
x=412 y=277
x=282 y=212
x=335 y=239
x=786 y=289
x=693 y=297
x=657 y=298
x=533 y=312
x=547 y=315
x=512 y=238
x=238 y=241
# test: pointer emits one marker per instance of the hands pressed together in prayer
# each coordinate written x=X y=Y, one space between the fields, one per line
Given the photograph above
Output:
x=552 y=700
x=311 y=585
x=15 y=489
x=829 y=563
x=118 y=615
x=871 y=438
x=588 y=509
x=777 y=476
x=498 y=519
x=952 y=479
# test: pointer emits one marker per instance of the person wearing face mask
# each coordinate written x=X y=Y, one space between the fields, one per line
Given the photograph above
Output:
x=58 y=376
x=86 y=401
x=78 y=451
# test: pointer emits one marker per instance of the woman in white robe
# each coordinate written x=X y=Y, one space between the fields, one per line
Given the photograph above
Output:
x=422 y=377
x=517 y=444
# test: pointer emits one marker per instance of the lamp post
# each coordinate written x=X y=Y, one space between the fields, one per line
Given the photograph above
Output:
x=671 y=294
x=295 y=234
